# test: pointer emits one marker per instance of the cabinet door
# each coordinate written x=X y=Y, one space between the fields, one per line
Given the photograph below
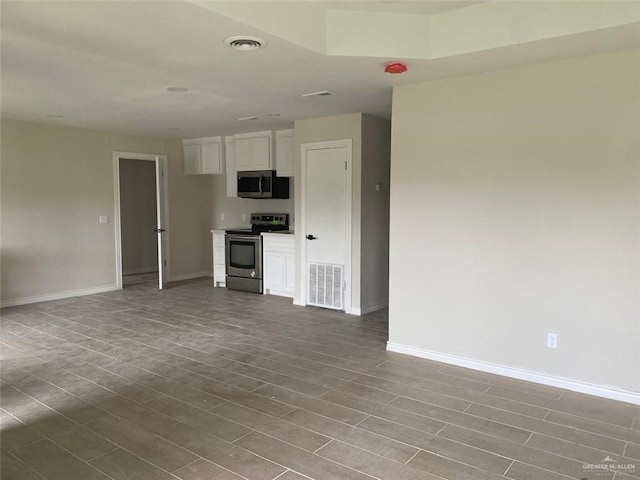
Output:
x=273 y=271
x=218 y=256
x=289 y=273
x=232 y=171
x=253 y=151
x=284 y=156
x=219 y=269
x=210 y=161
x=244 y=154
x=192 y=157
x=261 y=153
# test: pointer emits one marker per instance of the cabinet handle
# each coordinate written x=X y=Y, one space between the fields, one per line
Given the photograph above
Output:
x=159 y=230
x=311 y=237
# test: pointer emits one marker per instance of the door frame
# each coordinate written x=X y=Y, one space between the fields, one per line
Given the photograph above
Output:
x=163 y=182
x=301 y=227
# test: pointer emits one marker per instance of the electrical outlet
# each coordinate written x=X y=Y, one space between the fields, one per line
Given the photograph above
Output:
x=103 y=219
x=552 y=340
x=244 y=217
x=222 y=216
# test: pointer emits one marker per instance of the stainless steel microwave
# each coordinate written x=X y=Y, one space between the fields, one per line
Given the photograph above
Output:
x=262 y=184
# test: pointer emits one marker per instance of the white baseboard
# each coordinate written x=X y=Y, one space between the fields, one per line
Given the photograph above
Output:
x=278 y=293
x=57 y=296
x=138 y=271
x=374 y=307
x=189 y=276
x=604 y=391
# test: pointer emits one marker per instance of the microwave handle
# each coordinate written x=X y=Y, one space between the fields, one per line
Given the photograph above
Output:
x=260 y=183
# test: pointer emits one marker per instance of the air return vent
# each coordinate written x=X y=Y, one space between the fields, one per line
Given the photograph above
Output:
x=322 y=93
x=325 y=286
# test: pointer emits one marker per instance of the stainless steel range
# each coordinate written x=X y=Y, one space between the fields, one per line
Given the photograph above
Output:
x=244 y=251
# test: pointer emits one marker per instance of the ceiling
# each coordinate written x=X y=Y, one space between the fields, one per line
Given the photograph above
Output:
x=107 y=65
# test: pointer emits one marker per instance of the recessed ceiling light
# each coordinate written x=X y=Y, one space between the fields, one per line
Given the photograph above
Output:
x=177 y=89
x=248 y=118
x=322 y=93
x=245 y=43
x=271 y=115
x=55 y=116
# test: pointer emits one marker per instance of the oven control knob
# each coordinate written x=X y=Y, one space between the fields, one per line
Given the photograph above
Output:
x=253 y=274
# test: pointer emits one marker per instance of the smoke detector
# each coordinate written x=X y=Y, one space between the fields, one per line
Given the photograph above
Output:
x=244 y=43
x=395 y=68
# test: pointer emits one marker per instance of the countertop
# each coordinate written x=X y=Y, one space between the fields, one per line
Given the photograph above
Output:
x=280 y=232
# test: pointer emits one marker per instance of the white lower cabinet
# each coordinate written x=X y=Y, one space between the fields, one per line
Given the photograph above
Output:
x=219 y=261
x=279 y=264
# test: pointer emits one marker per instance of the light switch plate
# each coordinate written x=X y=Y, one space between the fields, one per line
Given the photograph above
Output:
x=104 y=219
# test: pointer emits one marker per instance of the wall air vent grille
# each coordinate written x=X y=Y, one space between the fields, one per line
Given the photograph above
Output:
x=326 y=286
x=322 y=93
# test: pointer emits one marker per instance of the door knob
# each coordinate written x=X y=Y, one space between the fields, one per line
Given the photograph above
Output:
x=311 y=237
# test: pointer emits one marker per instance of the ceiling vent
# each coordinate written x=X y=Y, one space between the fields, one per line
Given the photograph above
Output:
x=244 y=43
x=322 y=93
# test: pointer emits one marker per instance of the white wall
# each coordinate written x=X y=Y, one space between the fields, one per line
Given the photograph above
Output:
x=234 y=208
x=189 y=217
x=138 y=216
x=374 y=262
x=515 y=211
x=56 y=182
x=324 y=129
x=369 y=208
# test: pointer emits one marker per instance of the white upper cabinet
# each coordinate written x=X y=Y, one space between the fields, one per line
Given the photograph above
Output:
x=211 y=161
x=254 y=151
x=230 y=160
x=203 y=156
x=285 y=152
x=192 y=155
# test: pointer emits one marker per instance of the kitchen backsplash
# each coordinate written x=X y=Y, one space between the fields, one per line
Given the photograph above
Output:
x=234 y=208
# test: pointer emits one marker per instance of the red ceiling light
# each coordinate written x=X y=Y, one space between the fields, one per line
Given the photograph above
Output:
x=395 y=67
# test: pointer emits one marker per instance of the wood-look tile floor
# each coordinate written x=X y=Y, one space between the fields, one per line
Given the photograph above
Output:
x=197 y=383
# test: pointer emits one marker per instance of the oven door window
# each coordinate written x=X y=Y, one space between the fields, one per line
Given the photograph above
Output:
x=242 y=254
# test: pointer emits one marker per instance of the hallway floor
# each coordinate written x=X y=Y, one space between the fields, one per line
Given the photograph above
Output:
x=197 y=383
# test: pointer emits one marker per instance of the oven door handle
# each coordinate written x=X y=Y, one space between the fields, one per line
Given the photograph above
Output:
x=253 y=238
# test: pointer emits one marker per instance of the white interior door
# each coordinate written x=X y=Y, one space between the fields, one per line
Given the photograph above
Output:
x=162 y=186
x=160 y=220
x=325 y=226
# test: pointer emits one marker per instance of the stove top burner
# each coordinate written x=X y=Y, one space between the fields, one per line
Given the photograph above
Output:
x=254 y=231
x=263 y=222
